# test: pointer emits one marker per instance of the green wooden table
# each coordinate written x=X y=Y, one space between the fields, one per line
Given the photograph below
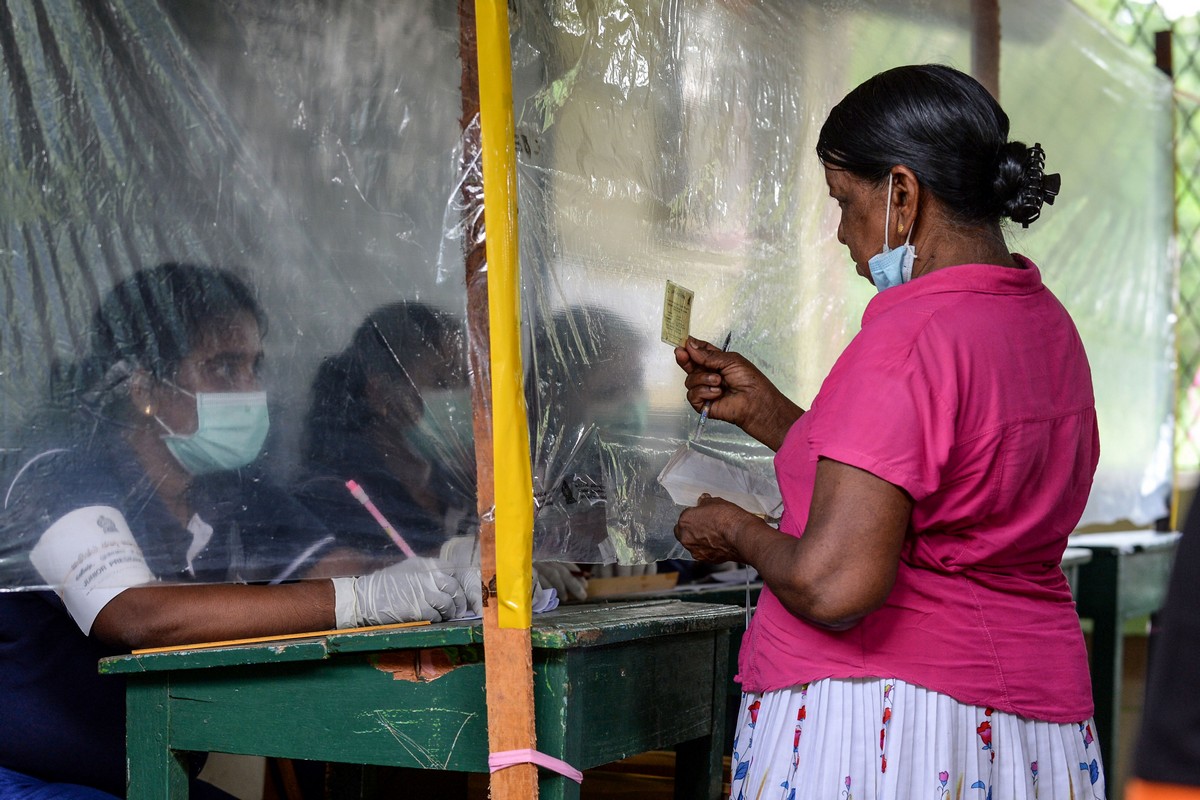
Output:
x=610 y=681
x=1073 y=560
x=1126 y=578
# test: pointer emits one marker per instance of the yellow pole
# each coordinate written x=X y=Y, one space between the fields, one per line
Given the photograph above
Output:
x=502 y=455
x=510 y=441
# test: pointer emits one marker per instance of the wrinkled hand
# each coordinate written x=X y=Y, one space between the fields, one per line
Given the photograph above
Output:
x=415 y=589
x=624 y=570
x=709 y=529
x=562 y=578
x=738 y=391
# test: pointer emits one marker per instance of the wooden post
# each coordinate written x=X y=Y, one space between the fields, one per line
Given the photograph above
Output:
x=985 y=44
x=1164 y=59
x=1163 y=55
x=508 y=654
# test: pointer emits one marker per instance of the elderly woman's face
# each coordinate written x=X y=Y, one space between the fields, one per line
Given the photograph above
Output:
x=862 y=205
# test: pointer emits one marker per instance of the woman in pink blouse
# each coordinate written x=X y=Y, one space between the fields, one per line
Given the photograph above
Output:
x=916 y=636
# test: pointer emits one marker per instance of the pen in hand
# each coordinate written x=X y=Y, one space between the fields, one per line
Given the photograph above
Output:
x=708 y=403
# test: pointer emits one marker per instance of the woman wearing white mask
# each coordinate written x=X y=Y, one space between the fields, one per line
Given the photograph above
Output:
x=143 y=513
x=916 y=636
x=392 y=412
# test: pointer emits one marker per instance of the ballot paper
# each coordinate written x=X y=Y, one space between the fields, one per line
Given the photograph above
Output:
x=677 y=314
x=690 y=473
x=544 y=600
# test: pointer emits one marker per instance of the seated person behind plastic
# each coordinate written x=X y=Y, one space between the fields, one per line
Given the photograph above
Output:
x=579 y=388
x=140 y=486
x=392 y=412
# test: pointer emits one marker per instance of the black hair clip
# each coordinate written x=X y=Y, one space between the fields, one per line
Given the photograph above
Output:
x=1037 y=187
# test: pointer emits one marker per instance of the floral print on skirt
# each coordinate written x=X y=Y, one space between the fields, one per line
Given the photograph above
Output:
x=884 y=739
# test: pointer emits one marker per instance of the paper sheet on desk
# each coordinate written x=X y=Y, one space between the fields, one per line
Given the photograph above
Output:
x=544 y=600
x=689 y=474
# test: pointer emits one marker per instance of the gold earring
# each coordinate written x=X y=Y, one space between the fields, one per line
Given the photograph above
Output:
x=900 y=229
x=148 y=410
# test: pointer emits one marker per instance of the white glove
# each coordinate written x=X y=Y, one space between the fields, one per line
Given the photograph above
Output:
x=413 y=589
x=461 y=551
x=563 y=578
x=464 y=551
x=624 y=570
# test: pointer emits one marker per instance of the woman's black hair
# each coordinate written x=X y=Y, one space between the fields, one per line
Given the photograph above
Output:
x=150 y=321
x=154 y=317
x=947 y=128
x=384 y=344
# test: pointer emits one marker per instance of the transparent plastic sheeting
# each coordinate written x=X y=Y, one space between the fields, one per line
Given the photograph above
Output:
x=317 y=151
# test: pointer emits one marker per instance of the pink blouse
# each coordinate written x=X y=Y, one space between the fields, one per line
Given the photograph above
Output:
x=969 y=389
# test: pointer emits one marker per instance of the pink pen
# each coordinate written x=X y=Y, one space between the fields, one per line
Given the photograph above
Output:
x=361 y=497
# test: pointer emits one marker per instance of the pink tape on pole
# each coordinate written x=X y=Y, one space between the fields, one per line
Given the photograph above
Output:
x=510 y=758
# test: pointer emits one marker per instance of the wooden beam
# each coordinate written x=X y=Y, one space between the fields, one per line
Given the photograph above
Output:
x=985 y=44
x=1164 y=59
x=508 y=653
x=1163 y=52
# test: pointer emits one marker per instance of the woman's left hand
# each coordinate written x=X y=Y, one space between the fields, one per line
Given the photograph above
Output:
x=709 y=529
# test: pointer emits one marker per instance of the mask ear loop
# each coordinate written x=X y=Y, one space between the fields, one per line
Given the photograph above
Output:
x=177 y=388
x=164 y=426
x=887 y=216
x=910 y=256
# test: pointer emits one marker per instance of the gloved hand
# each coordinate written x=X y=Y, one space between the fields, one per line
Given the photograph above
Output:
x=563 y=578
x=413 y=589
x=464 y=551
x=623 y=570
x=461 y=551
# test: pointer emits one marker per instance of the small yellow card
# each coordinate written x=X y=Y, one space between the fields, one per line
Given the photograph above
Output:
x=677 y=314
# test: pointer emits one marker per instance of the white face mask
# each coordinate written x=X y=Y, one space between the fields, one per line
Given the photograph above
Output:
x=892 y=266
x=230 y=432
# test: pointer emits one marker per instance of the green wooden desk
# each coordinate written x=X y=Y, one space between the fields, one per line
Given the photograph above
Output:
x=1126 y=578
x=610 y=681
x=733 y=594
x=1073 y=560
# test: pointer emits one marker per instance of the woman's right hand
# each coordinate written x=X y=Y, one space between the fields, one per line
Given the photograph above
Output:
x=738 y=391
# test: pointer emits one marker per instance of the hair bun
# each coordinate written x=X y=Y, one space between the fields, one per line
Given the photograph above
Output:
x=1034 y=187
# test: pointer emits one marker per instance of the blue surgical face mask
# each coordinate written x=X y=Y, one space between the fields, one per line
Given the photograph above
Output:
x=892 y=266
x=231 y=429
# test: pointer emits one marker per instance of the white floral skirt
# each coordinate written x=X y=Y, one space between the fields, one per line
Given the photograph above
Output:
x=884 y=739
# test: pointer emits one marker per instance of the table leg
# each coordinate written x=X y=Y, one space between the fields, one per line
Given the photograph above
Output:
x=556 y=787
x=155 y=772
x=560 y=725
x=698 y=763
x=1103 y=607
